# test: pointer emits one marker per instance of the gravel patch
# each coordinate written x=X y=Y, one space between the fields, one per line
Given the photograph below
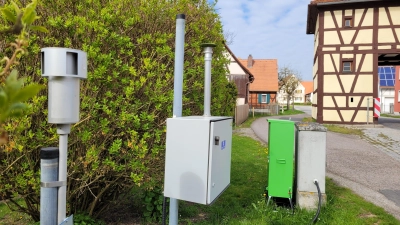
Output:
x=385 y=139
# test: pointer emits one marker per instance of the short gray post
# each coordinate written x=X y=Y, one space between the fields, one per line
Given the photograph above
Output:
x=367 y=110
x=48 y=195
x=178 y=89
x=208 y=51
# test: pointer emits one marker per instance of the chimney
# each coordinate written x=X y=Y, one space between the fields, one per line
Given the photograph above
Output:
x=250 y=61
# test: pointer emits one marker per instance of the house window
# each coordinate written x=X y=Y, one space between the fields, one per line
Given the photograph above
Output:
x=347 y=66
x=298 y=99
x=263 y=98
x=348 y=22
x=298 y=91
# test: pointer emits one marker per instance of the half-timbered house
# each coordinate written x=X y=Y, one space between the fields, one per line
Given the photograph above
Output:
x=351 y=39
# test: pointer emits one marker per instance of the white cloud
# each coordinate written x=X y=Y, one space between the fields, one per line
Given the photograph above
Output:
x=270 y=29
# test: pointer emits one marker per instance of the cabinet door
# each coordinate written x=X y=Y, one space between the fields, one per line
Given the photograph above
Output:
x=219 y=174
x=281 y=153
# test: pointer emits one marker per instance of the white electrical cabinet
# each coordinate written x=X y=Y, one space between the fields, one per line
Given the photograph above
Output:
x=198 y=158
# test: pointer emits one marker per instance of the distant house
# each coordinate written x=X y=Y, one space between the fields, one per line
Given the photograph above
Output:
x=386 y=88
x=302 y=94
x=308 y=90
x=239 y=74
x=264 y=89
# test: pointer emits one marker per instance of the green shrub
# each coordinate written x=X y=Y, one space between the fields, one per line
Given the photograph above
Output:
x=153 y=205
x=119 y=142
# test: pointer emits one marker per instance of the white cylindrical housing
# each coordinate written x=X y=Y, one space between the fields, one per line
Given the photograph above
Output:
x=64 y=67
x=63 y=100
x=208 y=51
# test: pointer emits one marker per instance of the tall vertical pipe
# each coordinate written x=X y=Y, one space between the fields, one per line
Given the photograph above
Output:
x=208 y=51
x=48 y=196
x=63 y=130
x=178 y=89
x=179 y=60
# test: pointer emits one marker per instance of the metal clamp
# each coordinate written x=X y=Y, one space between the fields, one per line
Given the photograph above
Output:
x=68 y=221
x=53 y=184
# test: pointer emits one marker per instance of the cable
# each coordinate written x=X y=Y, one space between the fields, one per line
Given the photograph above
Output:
x=164 y=210
x=319 y=202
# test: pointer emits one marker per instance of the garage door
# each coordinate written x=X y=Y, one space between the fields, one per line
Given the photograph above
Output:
x=385 y=108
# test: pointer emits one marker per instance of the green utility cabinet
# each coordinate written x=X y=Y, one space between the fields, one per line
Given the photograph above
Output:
x=281 y=145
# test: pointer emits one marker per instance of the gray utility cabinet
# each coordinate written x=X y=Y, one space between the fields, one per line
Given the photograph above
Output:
x=198 y=158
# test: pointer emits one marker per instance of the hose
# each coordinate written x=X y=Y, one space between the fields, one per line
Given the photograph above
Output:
x=164 y=210
x=319 y=202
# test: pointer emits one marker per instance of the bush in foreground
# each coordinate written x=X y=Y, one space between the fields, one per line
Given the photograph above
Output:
x=119 y=142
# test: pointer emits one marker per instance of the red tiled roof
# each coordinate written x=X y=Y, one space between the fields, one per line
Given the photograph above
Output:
x=308 y=85
x=265 y=73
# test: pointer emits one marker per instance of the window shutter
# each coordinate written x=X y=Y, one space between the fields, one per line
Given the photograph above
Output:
x=259 y=98
x=268 y=98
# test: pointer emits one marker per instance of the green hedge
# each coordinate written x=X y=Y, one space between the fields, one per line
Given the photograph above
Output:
x=120 y=140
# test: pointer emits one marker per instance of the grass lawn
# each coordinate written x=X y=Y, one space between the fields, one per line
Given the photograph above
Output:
x=243 y=201
x=291 y=112
x=390 y=115
x=251 y=119
x=343 y=130
x=12 y=218
x=308 y=103
x=337 y=128
x=309 y=119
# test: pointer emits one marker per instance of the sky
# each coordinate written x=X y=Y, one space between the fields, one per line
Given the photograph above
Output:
x=270 y=29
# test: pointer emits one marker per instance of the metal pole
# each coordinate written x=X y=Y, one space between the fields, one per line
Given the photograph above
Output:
x=178 y=89
x=63 y=130
x=208 y=51
x=367 y=111
x=179 y=60
x=48 y=195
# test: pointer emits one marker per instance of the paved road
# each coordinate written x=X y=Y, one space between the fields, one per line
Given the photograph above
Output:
x=370 y=166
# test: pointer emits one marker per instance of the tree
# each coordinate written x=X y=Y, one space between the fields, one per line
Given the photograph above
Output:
x=288 y=80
